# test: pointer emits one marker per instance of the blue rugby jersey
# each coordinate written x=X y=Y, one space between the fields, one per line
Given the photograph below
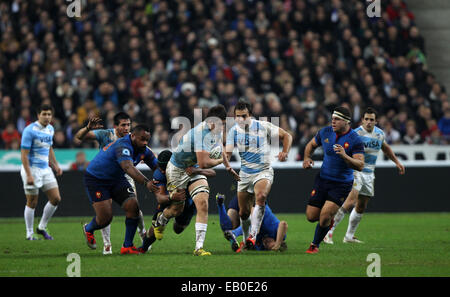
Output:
x=106 y=164
x=38 y=139
x=199 y=138
x=253 y=145
x=373 y=142
x=333 y=166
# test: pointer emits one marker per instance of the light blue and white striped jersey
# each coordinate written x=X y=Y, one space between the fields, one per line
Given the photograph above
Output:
x=372 y=145
x=38 y=139
x=253 y=145
x=199 y=138
x=105 y=136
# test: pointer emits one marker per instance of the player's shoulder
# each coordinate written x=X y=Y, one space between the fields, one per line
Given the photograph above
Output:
x=378 y=130
x=326 y=130
x=158 y=175
x=29 y=128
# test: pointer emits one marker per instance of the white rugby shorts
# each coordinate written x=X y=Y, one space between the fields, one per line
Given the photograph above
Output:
x=43 y=179
x=364 y=183
x=248 y=181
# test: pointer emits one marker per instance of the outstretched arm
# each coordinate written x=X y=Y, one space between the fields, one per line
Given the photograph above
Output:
x=387 y=150
x=86 y=132
x=309 y=150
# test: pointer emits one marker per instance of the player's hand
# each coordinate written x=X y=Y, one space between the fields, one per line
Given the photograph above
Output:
x=58 y=170
x=233 y=173
x=151 y=186
x=401 y=168
x=178 y=195
x=30 y=180
x=308 y=163
x=94 y=123
x=282 y=156
x=339 y=150
x=190 y=171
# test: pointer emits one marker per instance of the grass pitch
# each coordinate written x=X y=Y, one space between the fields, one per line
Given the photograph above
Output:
x=409 y=244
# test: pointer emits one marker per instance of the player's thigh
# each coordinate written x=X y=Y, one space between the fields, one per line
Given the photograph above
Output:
x=244 y=201
x=351 y=199
x=199 y=192
x=262 y=188
x=131 y=207
x=103 y=211
x=312 y=213
x=328 y=211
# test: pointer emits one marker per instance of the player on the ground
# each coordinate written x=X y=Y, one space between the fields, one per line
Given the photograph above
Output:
x=183 y=218
x=343 y=153
x=271 y=236
x=196 y=147
x=36 y=155
x=93 y=131
x=253 y=140
x=105 y=181
x=363 y=186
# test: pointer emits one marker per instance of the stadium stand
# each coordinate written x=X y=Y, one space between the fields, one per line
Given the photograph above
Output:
x=158 y=59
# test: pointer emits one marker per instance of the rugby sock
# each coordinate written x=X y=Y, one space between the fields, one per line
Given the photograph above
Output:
x=148 y=241
x=237 y=232
x=338 y=218
x=106 y=234
x=225 y=222
x=49 y=210
x=200 y=234
x=29 y=220
x=92 y=226
x=130 y=230
x=256 y=219
x=245 y=224
x=353 y=223
x=141 y=224
x=162 y=220
x=320 y=234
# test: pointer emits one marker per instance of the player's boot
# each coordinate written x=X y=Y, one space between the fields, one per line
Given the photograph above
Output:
x=201 y=252
x=90 y=239
x=107 y=249
x=232 y=239
x=241 y=247
x=33 y=237
x=158 y=229
x=220 y=198
x=250 y=243
x=328 y=239
x=44 y=233
x=129 y=250
x=351 y=240
x=313 y=249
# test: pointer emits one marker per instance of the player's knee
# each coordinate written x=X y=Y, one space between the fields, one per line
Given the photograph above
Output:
x=201 y=204
x=261 y=197
x=325 y=221
x=284 y=224
x=244 y=214
x=55 y=200
x=104 y=220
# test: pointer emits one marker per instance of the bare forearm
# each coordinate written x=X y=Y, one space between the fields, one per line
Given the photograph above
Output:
x=135 y=174
x=309 y=150
x=26 y=164
x=354 y=163
x=287 y=142
x=390 y=153
x=52 y=158
x=81 y=134
x=281 y=232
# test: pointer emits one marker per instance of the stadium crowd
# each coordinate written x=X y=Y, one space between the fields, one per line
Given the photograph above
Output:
x=156 y=60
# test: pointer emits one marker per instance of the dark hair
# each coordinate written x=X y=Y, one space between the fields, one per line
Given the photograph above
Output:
x=241 y=105
x=140 y=128
x=371 y=110
x=163 y=159
x=121 y=116
x=43 y=107
x=344 y=111
x=218 y=111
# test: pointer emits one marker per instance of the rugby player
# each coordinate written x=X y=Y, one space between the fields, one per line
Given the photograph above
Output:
x=195 y=148
x=363 y=186
x=343 y=153
x=37 y=154
x=252 y=138
x=271 y=236
x=105 y=181
x=93 y=131
x=183 y=217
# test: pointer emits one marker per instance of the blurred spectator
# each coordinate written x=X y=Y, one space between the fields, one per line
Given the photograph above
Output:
x=60 y=140
x=411 y=137
x=80 y=162
x=9 y=136
x=444 y=124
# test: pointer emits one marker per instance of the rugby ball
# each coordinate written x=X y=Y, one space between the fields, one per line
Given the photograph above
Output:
x=216 y=152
